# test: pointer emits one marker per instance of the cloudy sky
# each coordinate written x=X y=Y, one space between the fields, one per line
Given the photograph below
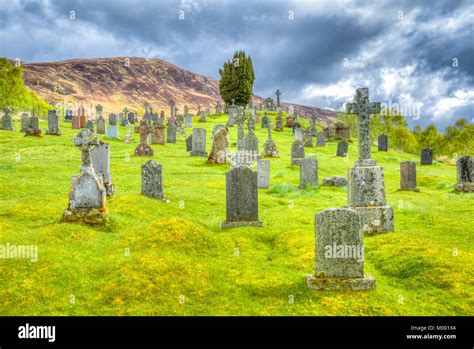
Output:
x=417 y=54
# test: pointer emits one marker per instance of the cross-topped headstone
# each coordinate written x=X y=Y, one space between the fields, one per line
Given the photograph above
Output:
x=363 y=108
x=86 y=141
x=278 y=94
x=143 y=149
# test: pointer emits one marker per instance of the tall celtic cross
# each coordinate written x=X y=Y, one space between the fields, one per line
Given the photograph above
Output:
x=86 y=141
x=363 y=108
x=278 y=94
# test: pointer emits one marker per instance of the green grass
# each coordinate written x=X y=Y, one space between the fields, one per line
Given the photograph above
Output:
x=182 y=263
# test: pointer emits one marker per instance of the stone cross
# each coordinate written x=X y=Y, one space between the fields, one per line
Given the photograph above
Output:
x=363 y=108
x=144 y=129
x=278 y=94
x=86 y=141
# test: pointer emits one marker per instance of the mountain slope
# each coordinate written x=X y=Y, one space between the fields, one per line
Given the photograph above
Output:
x=119 y=82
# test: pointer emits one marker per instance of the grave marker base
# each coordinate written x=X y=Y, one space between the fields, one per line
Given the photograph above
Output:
x=226 y=224
x=340 y=284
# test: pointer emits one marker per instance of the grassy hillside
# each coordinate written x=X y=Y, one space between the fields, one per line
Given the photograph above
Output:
x=181 y=263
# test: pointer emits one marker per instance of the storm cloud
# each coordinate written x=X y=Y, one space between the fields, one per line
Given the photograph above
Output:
x=316 y=52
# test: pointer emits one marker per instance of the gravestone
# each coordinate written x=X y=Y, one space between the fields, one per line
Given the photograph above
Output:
x=320 y=139
x=341 y=131
x=297 y=152
x=342 y=148
x=279 y=123
x=328 y=132
x=233 y=112
x=171 y=134
x=81 y=113
x=426 y=156
x=268 y=103
x=269 y=147
x=241 y=198
x=199 y=142
x=189 y=121
x=336 y=181
x=299 y=134
x=308 y=139
x=7 y=121
x=90 y=125
x=263 y=172
x=112 y=129
x=366 y=188
x=312 y=127
x=251 y=123
x=290 y=121
x=265 y=120
x=189 y=143
x=296 y=126
x=68 y=116
x=382 y=143
x=465 y=174
x=131 y=118
x=53 y=123
x=251 y=142
x=308 y=172
x=220 y=147
x=408 y=176
x=240 y=118
x=87 y=194
x=218 y=108
x=124 y=121
x=339 y=252
x=202 y=116
x=278 y=94
x=152 y=179
x=98 y=110
x=33 y=127
x=218 y=127
x=144 y=149
x=100 y=124
x=24 y=122
x=100 y=158
x=172 y=105
x=128 y=136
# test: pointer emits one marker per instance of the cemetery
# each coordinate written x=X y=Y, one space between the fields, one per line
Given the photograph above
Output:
x=161 y=215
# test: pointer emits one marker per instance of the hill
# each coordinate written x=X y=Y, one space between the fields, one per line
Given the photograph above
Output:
x=119 y=82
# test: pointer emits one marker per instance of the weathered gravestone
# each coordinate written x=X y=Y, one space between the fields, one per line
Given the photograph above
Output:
x=90 y=125
x=220 y=147
x=33 y=127
x=112 y=129
x=268 y=103
x=297 y=152
x=251 y=141
x=152 y=179
x=124 y=121
x=100 y=124
x=218 y=108
x=269 y=147
x=233 y=112
x=131 y=118
x=53 y=123
x=24 y=122
x=336 y=181
x=199 y=142
x=263 y=172
x=265 y=120
x=68 y=115
x=320 y=139
x=240 y=118
x=339 y=252
x=465 y=174
x=329 y=132
x=279 y=123
x=308 y=138
x=308 y=172
x=366 y=190
x=189 y=143
x=382 y=143
x=158 y=136
x=171 y=134
x=426 y=156
x=87 y=194
x=341 y=131
x=144 y=149
x=217 y=128
x=296 y=126
x=241 y=198
x=408 y=176
x=312 y=127
x=81 y=114
x=189 y=121
x=7 y=121
x=100 y=158
x=342 y=148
